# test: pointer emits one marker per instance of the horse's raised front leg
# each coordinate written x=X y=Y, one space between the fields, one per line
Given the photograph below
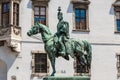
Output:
x=53 y=66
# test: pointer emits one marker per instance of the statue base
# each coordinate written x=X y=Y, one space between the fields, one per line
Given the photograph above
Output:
x=67 y=78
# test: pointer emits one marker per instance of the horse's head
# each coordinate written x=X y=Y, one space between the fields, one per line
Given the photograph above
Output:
x=39 y=28
x=35 y=30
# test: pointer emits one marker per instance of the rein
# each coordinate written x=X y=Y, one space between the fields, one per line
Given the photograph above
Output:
x=34 y=37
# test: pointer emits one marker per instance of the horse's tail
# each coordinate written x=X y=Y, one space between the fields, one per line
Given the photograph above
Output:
x=88 y=49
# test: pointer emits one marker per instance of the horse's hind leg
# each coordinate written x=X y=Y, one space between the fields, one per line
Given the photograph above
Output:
x=89 y=54
x=52 y=60
x=81 y=60
x=80 y=56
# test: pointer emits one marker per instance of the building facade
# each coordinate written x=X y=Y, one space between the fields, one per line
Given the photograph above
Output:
x=24 y=58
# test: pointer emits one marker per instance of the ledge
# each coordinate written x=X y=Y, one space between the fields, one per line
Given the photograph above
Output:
x=38 y=51
x=67 y=78
x=78 y=30
x=41 y=0
x=117 y=32
x=81 y=1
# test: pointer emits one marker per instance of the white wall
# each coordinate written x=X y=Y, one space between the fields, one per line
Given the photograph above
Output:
x=104 y=62
x=101 y=35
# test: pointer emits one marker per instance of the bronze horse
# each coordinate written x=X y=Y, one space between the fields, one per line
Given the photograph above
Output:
x=75 y=48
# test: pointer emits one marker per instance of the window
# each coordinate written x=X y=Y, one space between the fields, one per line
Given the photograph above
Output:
x=80 y=15
x=40 y=11
x=16 y=14
x=80 y=69
x=9 y=10
x=118 y=64
x=118 y=20
x=116 y=6
x=40 y=14
x=5 y=14
x=80 y=19
x=40 y=64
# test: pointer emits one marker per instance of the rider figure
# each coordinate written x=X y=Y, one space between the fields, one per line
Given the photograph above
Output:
x=62 y=32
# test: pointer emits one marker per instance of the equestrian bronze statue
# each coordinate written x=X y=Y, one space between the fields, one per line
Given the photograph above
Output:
x=61 y=45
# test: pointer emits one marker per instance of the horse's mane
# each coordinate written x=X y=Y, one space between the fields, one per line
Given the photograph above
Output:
x=46 y=29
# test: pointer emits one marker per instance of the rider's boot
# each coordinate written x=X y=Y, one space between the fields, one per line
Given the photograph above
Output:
x=62 y=49
x=63 y=53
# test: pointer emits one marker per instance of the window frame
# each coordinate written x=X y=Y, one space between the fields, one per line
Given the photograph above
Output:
x=85 y=6
x=39 y=3
x=33 y=63
x=116 y=6
x=38 y=62
x=11 y=3
x=115 y=16
x=39 y=13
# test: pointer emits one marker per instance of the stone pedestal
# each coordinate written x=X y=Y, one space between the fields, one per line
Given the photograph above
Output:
x=67 y=78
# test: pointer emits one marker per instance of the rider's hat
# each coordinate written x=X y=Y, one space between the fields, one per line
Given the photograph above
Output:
x=59 y=11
